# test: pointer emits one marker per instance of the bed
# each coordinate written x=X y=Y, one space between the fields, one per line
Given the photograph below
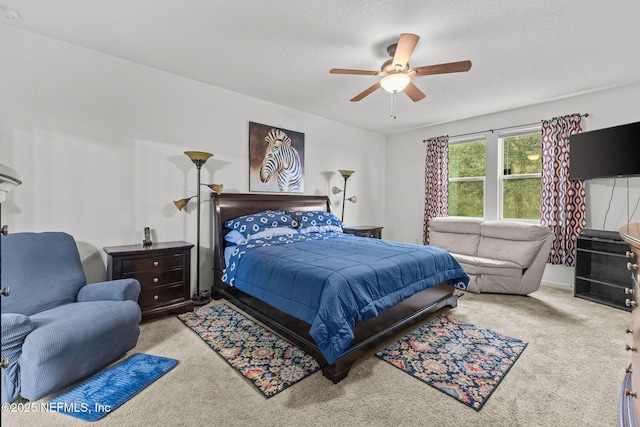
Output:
x=366 y=330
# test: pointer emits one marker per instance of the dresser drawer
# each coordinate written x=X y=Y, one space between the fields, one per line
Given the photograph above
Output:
x=158 y=278
x=635 y=323
x=160 y=295
x=155 y=263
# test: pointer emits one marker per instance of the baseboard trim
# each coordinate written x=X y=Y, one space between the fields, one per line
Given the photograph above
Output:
x=557 y=285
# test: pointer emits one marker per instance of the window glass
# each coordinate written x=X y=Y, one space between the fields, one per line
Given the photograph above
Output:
x=521 y=198
x=466 y=198
x=522 y=154
x=521 y=176
x=467 y=170
x=467 y=159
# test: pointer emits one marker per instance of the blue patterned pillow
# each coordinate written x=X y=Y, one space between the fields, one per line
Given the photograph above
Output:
x=306 y=219
x=255 y=223
x=234 y=237
x=321 y=229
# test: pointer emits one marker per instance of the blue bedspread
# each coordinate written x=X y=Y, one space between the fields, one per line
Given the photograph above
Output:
x=333 y=280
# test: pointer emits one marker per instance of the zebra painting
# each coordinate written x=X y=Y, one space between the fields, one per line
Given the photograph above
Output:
x=281 y=162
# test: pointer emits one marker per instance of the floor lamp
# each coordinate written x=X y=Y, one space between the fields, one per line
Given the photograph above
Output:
x=199 y=158
x=335 y=190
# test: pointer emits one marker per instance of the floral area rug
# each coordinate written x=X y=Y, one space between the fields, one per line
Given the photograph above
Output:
x=462 y=360
x=269 y=362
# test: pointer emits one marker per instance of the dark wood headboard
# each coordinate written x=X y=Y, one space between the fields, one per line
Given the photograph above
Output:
x=227 y=206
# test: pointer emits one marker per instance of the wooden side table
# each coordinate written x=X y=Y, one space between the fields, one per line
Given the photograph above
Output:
x=164 y=273
x=372 y=231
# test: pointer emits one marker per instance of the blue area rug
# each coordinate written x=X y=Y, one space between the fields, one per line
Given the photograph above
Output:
x=460 y=359
x=108 y=389
x=269 y=362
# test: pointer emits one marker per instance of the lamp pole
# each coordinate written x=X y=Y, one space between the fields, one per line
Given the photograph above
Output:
x=345 y=174
x=199 y=159
x=199 y=300
x=344 y=197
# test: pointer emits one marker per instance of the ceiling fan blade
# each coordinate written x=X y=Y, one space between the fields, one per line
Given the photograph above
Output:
x=406 y=44
x=450 y=67
x=413 y=92
x=358 y=72
x=366 y=92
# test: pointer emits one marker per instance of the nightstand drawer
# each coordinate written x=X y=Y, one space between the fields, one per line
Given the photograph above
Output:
x=368 y=234
x=159 y=278
x=155 y=263
x=370 y=231
x=160 y=295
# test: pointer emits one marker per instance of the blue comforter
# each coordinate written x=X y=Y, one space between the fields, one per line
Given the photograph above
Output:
x=333 y=280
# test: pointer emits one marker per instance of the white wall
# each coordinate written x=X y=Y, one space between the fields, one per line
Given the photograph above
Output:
x=406 y=156
x=99 y=144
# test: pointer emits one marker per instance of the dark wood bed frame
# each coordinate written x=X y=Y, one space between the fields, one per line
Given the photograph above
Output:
x=367 y=333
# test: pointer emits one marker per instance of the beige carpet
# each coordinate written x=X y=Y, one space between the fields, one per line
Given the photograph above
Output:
x=569 y=375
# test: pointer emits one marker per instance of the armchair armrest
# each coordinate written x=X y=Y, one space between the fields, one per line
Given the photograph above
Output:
x=15 y=328
x=119 y=290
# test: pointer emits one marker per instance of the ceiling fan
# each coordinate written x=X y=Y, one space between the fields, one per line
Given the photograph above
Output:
x=396 y=71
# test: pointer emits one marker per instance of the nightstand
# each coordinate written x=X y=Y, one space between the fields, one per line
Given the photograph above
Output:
x=372 y=231
x=164 y=273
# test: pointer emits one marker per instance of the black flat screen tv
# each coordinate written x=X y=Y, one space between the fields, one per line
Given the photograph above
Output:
x=605 y=153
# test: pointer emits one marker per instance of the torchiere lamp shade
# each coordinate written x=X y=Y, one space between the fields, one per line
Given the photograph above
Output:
x=345 y=173
x=180 y=204
x=216 y=188
x=198 y=157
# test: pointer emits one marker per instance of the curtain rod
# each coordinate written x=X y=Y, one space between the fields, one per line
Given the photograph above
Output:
x=498 y=129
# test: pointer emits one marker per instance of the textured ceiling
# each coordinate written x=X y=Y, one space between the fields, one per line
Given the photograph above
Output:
x=523 y=52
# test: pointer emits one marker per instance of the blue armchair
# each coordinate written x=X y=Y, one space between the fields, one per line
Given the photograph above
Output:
x=56 y=329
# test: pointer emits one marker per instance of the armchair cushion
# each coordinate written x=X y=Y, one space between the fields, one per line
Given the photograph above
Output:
x=29 y=261
x=68 y=343
x=119 y=290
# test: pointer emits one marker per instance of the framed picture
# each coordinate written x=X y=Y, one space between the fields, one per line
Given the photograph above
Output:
x=276 y=159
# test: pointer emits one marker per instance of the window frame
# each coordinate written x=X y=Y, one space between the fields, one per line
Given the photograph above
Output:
x=483 y=179
x=502 y=177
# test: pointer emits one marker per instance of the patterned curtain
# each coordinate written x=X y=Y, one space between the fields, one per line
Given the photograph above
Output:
x=562 y=207
x=436 y=188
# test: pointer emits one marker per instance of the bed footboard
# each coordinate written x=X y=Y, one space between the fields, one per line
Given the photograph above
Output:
x=367 y=334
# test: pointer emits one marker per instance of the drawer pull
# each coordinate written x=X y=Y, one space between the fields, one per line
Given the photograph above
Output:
x=155 y=297
x=630 y=393
x=156 y=263
x=630 y=303
x=155 y=280
x=629 y=291
x=633 y=267
x=629 y=348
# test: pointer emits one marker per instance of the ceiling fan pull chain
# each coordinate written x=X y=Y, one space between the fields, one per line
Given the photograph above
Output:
x=393 y=105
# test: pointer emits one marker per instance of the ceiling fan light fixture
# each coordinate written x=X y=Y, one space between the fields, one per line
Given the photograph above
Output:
x=395 y=82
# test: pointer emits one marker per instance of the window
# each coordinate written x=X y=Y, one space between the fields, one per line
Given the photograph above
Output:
x=520 y=177
x=467 y=170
